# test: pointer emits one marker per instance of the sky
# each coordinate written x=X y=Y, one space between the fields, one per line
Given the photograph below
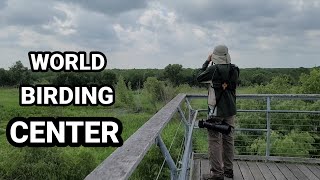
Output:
x=152 y=34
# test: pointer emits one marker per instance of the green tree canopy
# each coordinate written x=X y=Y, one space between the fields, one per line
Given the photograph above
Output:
x=310 y=83
x=19 y=74
x=173 y=73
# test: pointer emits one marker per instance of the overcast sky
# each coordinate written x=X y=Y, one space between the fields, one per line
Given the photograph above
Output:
x=153 y=34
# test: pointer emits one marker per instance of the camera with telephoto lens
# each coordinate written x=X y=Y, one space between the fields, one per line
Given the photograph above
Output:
x=223 y=127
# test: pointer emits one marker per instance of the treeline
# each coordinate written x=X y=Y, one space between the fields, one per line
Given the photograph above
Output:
x=174 y=74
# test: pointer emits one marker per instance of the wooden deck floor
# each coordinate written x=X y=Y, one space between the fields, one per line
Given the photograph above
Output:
x=247 y=170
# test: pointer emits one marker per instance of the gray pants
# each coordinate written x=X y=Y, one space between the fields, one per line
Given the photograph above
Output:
x=221 y=148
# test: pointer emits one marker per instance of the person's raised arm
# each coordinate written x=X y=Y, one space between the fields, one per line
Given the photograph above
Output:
x=205 y=73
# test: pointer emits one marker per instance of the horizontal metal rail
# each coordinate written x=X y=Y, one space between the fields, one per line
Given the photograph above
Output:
x=271 y=111
x=124 y=160
x=275 y=121
x=262 y=158
x=260 y=96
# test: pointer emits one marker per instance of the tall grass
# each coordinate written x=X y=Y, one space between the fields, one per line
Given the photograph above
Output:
x=76 y=163
x=151 y=165
x=57 y=162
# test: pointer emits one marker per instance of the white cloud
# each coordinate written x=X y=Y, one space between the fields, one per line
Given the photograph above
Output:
x=64 y=26
x=199 y=33
x=313 y=33
x=32 y=40
x=154 y=34
x=269 y=42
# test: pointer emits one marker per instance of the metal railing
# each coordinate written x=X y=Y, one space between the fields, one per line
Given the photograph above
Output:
x=276 y=127
x=124 y=160
x=262 y=124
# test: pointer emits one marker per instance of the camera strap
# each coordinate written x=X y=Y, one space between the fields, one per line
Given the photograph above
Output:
x=224 y=85
x=218 y=100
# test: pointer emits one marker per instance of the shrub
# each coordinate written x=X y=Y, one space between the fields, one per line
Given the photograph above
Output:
x=310 y=83
x=156 y=89
x=285 y=145
x=124 y=94
x=278 y=85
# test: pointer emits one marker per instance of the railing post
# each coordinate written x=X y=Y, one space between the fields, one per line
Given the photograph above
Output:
x=268 y=128
x=186 y=124
x=190 y=110
x=183 y=116
x=187 y=153
x=190 y=119
x=192 y=116
x=168 y=158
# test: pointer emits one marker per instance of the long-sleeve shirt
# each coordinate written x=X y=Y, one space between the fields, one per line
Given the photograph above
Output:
x=218 y=74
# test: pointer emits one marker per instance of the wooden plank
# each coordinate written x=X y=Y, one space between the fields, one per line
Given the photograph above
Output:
x=296 y=171
x=307 y=172
x=294 y=159
x=267 y=174
x=276 y=171
x=246 y=173
x=255 y=171
x=286 y=172
x=249 y=158
x=315 y=170
x=271 y=158
x=124 y=160
x=196 y=170
x=236 y=171
x=205 y=167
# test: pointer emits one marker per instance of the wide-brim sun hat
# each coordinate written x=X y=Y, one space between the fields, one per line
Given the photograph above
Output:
x=221 y=55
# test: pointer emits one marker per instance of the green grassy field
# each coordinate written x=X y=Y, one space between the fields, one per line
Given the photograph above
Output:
x=76 y=163
x=66 y=162
x=16 y=163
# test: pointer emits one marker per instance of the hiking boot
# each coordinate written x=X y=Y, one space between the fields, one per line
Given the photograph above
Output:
x=228 y=173
x=212 y=177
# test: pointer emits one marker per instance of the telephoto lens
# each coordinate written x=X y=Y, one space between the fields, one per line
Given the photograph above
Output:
x=223 y=128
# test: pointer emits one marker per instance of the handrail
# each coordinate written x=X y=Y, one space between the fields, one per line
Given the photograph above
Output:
x=268 y=111
x=124 y=160
x=257 y=96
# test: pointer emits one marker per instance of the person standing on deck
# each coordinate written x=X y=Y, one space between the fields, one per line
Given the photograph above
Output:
x=222 y=78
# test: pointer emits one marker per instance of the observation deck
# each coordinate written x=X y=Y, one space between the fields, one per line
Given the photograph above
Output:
x=277 y=136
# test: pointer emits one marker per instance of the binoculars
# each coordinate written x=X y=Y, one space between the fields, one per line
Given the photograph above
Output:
x=223 y=128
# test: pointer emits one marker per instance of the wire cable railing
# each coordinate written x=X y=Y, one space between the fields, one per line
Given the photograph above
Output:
x=173 y=140
x=268 y=128
x=287 y=126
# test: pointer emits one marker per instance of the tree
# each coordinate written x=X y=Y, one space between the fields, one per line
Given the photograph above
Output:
x=278 y=85
x=4 y=77
x=173 y=73
x=310 y=83
x=19 y=74
x=71 y=79
x=156 y=89
x=136 y=77
x=124 y=93
x=109 y=78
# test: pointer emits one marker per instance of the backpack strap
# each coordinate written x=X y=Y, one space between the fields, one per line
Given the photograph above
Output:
x=224 y=84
